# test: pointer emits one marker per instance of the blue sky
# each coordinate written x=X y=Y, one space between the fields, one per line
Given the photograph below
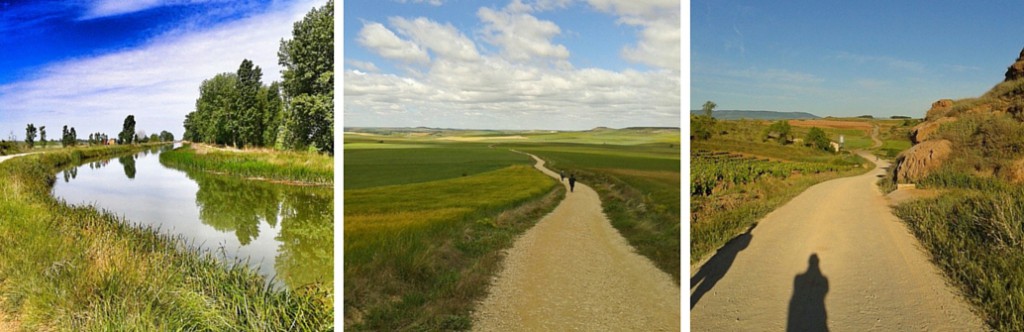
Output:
x=848 y=58
x=544 y=64
x=88 y=64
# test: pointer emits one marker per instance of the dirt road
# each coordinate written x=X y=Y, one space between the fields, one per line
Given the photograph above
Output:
x=574 y=272
x=832 y=258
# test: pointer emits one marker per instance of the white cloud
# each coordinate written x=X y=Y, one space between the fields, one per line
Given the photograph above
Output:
x=105 y=8
x=364 y=65
x=157 y=82
x=659 y=41
x=521 y=36
x=442 y=39
x=509 y=88
x=385 y=43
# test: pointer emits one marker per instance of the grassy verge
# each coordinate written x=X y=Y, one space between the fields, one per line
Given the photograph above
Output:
x=639 y=190
x=977 y=238
x=285 y=166
x=419 y=256
x=76 y=268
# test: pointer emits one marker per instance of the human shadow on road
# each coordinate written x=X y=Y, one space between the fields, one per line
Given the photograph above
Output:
x=807 y=306
x=717 y=266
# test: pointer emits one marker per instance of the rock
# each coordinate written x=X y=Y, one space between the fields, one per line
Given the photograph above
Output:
x=923 y=131
x=939 y=109
x=922 y=159
x=1016 y=70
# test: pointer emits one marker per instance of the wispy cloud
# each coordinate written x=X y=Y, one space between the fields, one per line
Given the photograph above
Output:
x=157 y=82
x=107 y=8
x=889 y=62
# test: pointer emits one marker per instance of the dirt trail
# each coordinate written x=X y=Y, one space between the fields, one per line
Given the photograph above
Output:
x=574 y=272
x=834 y=257
x=4 y=158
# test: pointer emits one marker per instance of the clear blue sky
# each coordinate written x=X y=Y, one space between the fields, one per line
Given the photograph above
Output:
x=533 y=64
x=88 y=64
x=848 y=58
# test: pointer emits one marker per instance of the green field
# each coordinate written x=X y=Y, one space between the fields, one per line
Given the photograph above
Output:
x=426 y=215
x=80 y=269
x=389 y=165
x=424 y=228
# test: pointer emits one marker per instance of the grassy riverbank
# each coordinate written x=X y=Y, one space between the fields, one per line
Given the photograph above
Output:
x=282 y=166
x=76 y=268
x=423 y=239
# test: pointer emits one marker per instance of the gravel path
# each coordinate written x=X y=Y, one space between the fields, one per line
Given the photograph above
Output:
x=574 y=272
x=835 y=258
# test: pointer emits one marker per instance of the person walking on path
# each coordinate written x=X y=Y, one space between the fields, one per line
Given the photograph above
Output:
x=572 y=182
x=562 y=174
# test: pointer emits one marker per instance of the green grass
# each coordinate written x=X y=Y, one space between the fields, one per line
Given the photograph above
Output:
x=976 y=238
x=639 y=190
x=76 y=268
x=420 y=255
x=366 y=168
x=287 y=166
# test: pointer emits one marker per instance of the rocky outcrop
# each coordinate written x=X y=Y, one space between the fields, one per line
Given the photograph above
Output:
x=939 y=109
x=921 y=159
x=1016 y=70
x=922 y=132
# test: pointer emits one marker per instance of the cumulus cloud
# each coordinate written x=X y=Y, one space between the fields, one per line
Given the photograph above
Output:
x=443 y=40
x=157 y=82
x=521 y=36
x=514 y=86
x=659 y=22
x=385 y=43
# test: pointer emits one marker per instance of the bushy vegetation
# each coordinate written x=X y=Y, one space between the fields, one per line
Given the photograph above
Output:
x=293 y=167
x=419 y=256
x=9 y=147
x=976 y=236
x=237 y=109
x=779 y=131
x=816 y=138
x=76 y=268
x=729 y=192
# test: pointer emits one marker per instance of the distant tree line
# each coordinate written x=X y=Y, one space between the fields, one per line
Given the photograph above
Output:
x=237 y=109
x=69 y=137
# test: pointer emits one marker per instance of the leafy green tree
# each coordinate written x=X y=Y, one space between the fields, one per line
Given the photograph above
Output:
x=42 y=135
x=308 y=61
x=166 y=136
x=249 y=104
x=72 y=137
x=272 y=115
x=701 y=126
x=213 y=121
x=30 y=135
x=709 y=107
x=817 y=139
x=127 y=135
x=778 y=131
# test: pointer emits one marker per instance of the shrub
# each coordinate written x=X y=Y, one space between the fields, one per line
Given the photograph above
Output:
x=816 y=138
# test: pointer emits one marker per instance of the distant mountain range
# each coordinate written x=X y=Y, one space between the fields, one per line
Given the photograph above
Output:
x=757 y=115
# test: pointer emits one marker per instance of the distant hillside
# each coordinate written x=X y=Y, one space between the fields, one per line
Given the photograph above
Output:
x=757 y=115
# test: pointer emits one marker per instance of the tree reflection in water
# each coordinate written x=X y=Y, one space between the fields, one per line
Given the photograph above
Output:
x=305 y=215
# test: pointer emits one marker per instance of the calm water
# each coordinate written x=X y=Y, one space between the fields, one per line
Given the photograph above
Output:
x=284 y=231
